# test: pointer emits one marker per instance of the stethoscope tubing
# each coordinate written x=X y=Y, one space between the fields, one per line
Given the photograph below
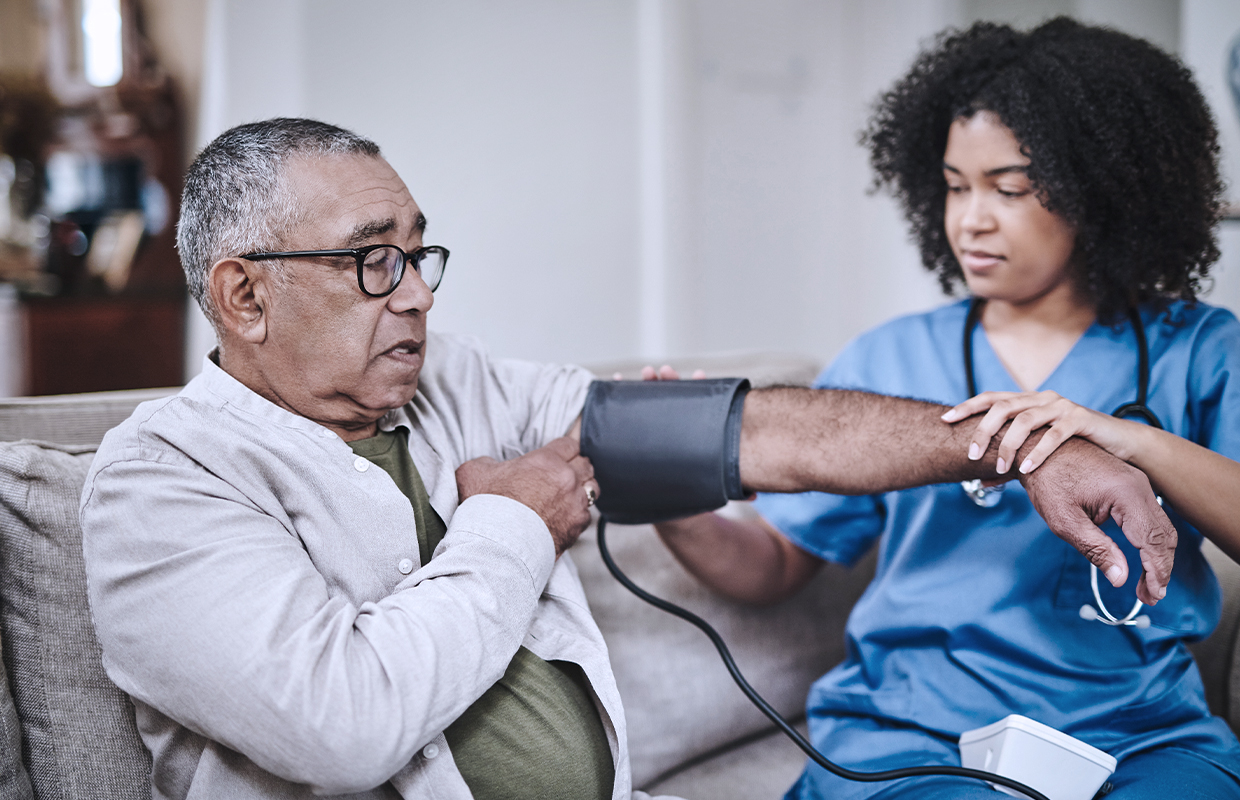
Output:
x=1137 y=408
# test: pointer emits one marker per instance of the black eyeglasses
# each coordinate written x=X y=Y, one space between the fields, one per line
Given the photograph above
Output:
x=379 y=266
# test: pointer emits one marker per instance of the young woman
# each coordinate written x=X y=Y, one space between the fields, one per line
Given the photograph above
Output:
x=1067 y=177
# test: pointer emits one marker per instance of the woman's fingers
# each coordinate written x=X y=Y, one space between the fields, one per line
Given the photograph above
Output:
x=665 y=373
x=1003 y=406
x=1063 y=424
x=975 y=405
x=1027 y=412
x=1057 y=435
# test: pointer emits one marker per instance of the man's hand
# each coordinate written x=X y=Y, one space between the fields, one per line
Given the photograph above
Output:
x=1082 y=485
x=556 y=481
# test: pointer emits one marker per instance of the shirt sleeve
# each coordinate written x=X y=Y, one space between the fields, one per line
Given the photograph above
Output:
x=1214 y=384
x=544 y=399
x=211 y=611
x=833 y=527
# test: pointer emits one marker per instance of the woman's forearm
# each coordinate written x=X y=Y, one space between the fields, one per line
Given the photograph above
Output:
x=745 y=559
x=1201 y=485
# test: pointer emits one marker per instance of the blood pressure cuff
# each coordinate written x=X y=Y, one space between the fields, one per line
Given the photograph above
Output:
x=664 y=449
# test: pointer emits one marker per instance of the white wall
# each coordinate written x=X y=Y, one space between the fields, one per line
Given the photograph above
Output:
x=1208 y=27
x=519 y=129
x=627 y=177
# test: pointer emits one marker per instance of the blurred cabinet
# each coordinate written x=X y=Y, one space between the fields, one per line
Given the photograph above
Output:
x=90 y=344
x=101 y=304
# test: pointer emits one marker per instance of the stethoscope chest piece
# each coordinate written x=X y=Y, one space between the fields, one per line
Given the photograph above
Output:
x=983 y=496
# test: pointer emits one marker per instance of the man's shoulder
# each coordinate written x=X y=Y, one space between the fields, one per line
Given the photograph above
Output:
x=153 y=429
x=456 y=364
x=210 y=409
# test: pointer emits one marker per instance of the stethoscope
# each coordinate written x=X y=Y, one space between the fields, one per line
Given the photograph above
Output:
x=989 y=496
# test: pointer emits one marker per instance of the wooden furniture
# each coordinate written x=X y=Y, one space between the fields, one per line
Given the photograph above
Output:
x=91 y=344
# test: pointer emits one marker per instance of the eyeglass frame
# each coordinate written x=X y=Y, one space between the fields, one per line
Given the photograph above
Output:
x=359 y=255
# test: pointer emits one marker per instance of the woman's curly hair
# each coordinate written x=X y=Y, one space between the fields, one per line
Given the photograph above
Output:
x=1120 y=141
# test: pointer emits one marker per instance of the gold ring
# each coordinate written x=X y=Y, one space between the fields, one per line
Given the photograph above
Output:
x=590 y=496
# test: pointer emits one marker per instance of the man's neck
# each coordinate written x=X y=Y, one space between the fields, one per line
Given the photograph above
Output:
x=244 y=372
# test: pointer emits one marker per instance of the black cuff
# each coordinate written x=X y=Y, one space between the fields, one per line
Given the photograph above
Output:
x=664 y=449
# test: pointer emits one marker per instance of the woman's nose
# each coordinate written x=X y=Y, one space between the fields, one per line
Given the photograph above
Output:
x=977 y=213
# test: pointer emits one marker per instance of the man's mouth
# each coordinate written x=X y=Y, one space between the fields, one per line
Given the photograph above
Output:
x=405 y=350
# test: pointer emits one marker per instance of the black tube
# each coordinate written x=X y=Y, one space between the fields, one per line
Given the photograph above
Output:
x=783 y=724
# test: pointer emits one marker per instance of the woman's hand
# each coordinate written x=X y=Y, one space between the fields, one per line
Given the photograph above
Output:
x=663 y=373
x=1029 y=411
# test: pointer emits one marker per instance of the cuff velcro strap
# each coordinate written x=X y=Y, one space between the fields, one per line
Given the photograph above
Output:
x=664 y=449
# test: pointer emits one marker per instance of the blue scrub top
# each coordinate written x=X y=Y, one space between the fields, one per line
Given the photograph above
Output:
x=974 y=612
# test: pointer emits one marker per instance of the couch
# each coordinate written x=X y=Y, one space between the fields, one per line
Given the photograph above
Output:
x=67 y=732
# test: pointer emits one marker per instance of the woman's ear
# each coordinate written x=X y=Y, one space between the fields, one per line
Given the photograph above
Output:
x=237 y=291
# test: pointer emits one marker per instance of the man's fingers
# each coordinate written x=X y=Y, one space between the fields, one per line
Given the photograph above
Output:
x=1149 y=529
x=1099 y=549
x=582 y=468
x=565 y=447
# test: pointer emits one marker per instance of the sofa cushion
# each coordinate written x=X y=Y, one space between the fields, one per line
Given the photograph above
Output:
x=679 y=700
x=763 y=766
x=13 y=780
x=1218 y=656
x=80 y=739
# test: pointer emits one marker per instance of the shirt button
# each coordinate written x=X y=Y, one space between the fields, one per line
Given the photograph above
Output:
x=361 y=464
x=326 y=434
x=406 y=566
x=431 y=750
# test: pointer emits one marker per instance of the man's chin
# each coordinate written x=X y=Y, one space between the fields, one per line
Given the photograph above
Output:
x=395 y=397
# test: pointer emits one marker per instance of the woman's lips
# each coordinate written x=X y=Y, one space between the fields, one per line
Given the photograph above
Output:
x=979 y=260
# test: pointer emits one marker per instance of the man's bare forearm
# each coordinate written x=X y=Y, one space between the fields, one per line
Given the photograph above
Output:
x=849 y=442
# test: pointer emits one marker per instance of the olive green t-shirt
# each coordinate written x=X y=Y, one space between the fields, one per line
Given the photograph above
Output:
x=536 y=733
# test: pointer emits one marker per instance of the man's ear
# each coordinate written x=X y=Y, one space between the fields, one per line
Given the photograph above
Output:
x=238 y=292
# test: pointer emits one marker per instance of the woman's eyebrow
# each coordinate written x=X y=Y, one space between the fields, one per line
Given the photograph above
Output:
x=1023 y=169
x=990 y=173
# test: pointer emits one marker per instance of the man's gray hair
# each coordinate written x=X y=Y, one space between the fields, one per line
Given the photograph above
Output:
x=235 y=199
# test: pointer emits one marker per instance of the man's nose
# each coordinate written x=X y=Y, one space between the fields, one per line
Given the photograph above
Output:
x=411 y=294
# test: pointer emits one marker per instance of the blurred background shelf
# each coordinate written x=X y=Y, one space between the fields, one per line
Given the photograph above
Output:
x=91 y=344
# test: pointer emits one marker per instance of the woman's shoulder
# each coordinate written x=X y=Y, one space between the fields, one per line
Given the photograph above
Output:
x=929 y=329
x=1199 y=321
x=902 y=347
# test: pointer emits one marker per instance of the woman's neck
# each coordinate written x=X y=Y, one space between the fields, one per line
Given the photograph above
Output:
x=1031 y=338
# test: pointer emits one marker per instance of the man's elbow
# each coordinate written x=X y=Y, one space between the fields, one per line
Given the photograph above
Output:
x=340 y=762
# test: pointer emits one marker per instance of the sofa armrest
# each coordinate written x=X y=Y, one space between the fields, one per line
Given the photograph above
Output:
x=70 y=418
x=1218 y=657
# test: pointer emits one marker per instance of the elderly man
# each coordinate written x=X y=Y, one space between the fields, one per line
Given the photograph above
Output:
x=335 y=562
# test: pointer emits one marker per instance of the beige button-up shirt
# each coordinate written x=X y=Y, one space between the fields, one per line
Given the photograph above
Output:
x=257 y=590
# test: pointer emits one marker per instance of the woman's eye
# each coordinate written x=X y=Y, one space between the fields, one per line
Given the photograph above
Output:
x=1013 y=192
x=955 y=189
